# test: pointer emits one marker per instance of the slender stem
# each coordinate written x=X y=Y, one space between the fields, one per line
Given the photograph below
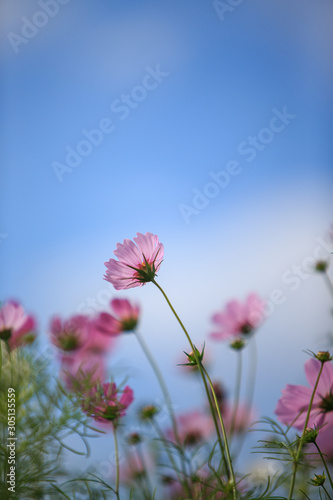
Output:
x=251 y=382
x=201 y=368
x=292 y=484
x=325 y=465
x=161 y=382
x=171 y=458
x=117 y=460
x=328 y=495
x=234 y=489
x=253 y=373
x=145 y=481
x=328 y=281
x=167 y=398
x=237 y=392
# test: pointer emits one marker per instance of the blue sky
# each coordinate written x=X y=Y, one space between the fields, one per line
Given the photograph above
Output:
x=220 y=82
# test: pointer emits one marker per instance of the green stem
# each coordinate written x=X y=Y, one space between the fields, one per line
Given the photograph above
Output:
x=253 y=374
x=232 y=475
x=168 y=452
x=328 y=281
x=328 y=495
x=292 y=484
x=167 y=399
x=325 y=465
x=201 y=368
x=117 y=460
x=146 y=482
x=237 y=392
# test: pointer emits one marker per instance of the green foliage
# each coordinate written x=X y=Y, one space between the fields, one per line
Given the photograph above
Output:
x=45 y=418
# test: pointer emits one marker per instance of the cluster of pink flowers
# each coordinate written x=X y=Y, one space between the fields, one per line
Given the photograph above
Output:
x=16 y=327
x=83 y=344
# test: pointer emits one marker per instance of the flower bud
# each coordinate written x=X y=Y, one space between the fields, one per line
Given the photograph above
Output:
x=148 y=412
x=323 y=356
x=194 y=356
x=134 y=438
x=321 y=266
x=237 y=344
x=318 y=480
x=310 y=435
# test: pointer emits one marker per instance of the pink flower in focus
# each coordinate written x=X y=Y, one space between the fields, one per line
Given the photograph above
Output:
x=137 y=262
x=238 y=319
x=292 y=407
x=104 y=404
x=194 y=428
x=16 y=327
x=125 y=319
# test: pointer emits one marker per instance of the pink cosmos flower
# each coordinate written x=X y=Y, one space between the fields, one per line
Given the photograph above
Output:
x=82 y=370
x=82 y=351
x=69 y=335
x=16 y=327
x=104 y=404
x=292 y=407
x=193 y=427
x=137 y=262
x=125 y=319
x=238 y=319
x=78 y=333
x=325 y=438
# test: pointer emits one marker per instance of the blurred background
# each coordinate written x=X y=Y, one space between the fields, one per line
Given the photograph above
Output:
x=206 y=123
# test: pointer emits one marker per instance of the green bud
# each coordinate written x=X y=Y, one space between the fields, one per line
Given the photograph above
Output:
x=321 y=266
x=134 y=438
x=237 y=344
x=193 y=356
x=323 y=356
x=148 y=412
x=318 y=480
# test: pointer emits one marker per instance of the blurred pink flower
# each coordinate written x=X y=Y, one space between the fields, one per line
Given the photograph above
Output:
x=194 y=428
x=78 y=333
x=16 y=327
x=238 y=319
x=244 y=418
x=82 y=351
x=325 y=438
x=125 y=319
x=71 y=334
x=138 y=262
x=133 y=470
x=103 y=403
x=82 y=370
x=292 y=407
